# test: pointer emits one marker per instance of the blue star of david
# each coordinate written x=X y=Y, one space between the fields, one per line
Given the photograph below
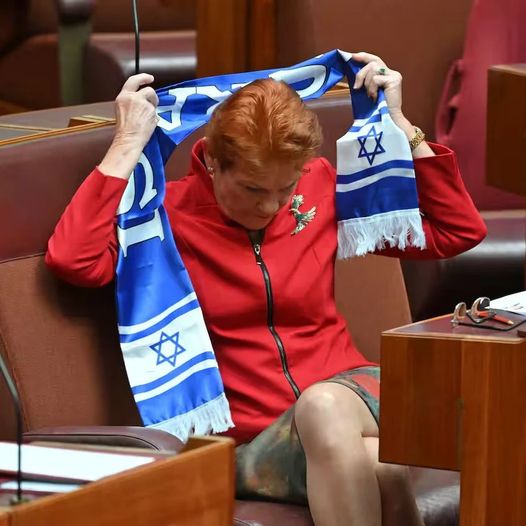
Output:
x=158 y=348
x=378 y=148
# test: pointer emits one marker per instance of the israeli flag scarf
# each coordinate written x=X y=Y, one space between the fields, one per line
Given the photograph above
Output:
x=168 y=355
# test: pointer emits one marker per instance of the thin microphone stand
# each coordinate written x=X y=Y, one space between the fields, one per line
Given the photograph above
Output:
x=136 y=31
x=16 y=403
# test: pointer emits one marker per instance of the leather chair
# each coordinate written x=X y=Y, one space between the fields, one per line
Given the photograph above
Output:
x=420 y=40
x=494 y=268
x=60 y=341
x=167 y=44
x=55 y=52
x=423 y=41
x=28 y=55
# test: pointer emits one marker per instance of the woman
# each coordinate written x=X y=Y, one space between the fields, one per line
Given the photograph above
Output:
x=304 y=400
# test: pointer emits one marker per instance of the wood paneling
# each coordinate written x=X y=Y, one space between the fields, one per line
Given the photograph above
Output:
x=235 y=36
x=494 y=434
x=451 y=398
x=222 y=29
x=420 y=389
x=262 y=35
x=506 y=128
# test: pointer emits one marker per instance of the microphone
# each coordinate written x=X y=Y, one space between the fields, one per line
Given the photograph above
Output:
x=18 y=409
x=136 y=31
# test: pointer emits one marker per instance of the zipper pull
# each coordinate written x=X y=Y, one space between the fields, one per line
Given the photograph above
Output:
x=257 y=252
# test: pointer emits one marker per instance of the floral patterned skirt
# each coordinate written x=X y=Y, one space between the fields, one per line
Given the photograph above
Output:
x=273 y=466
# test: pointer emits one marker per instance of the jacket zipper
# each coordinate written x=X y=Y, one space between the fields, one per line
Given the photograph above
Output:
x=270 y=319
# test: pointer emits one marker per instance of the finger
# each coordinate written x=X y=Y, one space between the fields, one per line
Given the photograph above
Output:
x=364 y=57
x=362 y=74
x=149 y=94
x=371 y=83
x=360 y=77
x=136 y=81
x=392 y=78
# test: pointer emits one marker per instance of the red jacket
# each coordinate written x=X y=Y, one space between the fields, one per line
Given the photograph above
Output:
x=266 y=358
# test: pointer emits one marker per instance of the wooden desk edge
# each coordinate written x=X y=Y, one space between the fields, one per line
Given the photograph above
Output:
x=56 y=132
x=193 y=448
x=517 y=68
x=399 y=332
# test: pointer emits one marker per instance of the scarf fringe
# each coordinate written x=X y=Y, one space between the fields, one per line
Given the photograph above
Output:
x=211 y=417
x=358 y=236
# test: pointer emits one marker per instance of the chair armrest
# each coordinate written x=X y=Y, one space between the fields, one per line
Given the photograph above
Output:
x=123 y=436
x=74 y=11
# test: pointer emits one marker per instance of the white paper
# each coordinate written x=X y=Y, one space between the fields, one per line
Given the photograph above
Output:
x=40 y=487
x=71 y=464
x=512 y=303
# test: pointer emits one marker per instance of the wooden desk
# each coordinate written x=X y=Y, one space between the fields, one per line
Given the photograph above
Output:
x=453 y=398
x=9 y=133
x=21 y=127
x=194 y=487
x=57 y=118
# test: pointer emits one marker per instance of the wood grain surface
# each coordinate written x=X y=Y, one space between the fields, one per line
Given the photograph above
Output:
x=222 y=37
x=456 y=401
x=506 y=128
x=194 y=487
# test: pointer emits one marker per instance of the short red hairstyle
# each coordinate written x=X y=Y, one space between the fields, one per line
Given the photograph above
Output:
x=262 y=122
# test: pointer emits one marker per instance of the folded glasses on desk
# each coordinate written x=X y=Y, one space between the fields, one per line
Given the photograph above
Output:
x=481 y=315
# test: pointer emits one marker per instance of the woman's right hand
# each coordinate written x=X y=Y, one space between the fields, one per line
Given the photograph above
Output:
x=136 y=120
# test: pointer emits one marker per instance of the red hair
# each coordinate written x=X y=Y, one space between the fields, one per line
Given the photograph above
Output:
x=262 y=122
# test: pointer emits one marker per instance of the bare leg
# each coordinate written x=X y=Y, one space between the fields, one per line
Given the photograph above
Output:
x=398 y=501
x=341 y=481
x=346 y=485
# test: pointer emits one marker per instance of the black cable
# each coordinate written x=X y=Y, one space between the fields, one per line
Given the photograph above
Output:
x=137 y=40
x=16 y=404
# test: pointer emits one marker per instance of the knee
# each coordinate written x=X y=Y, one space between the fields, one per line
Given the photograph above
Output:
x=321 y=422
x=317 y=408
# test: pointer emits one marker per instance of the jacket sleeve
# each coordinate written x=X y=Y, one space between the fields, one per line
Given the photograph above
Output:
x=452 y=223
x=83 y=247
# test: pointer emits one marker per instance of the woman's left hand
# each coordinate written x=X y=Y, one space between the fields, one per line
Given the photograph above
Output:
x=375 y=74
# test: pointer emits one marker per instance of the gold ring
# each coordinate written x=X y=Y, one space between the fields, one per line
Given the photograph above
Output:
x=382 y=71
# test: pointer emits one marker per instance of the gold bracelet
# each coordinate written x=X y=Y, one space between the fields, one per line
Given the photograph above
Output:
x=417 y=138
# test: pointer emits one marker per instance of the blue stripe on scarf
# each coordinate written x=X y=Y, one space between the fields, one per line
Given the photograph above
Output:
x=176 y=372
x=126 y=338
x=377 y=117
x=393 y=195
x=201 y=387
x=379 y=168
x=151 y=277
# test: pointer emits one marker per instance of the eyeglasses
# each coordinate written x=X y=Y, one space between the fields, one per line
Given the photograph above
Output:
x=478 y=313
